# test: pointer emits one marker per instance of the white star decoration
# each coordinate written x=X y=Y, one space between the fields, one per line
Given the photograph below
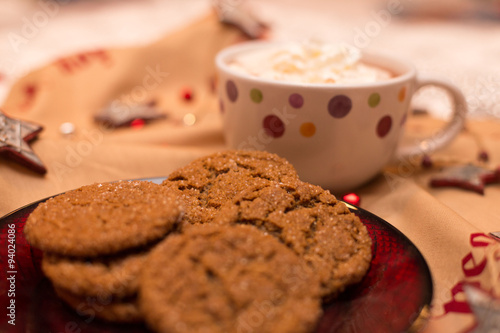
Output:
x=119 y=114
x=14 y=137
x=486 y=308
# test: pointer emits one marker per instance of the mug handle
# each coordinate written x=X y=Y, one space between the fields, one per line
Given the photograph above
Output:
x=444 y=136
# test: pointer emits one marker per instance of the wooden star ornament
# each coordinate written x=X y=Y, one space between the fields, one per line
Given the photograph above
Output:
x=239 y=15
x=469 y=177
x=14 y=137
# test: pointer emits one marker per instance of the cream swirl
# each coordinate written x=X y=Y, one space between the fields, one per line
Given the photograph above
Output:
x=309 y=62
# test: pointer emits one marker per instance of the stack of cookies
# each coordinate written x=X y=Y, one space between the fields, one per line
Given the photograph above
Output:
x=96 y=239
x=232 y=242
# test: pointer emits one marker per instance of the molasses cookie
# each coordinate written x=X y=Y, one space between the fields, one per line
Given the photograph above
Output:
x=103 y=306
x=227 y=279
x=311 y=222
x=102 y=219
x=205 y=184
x=116 y=275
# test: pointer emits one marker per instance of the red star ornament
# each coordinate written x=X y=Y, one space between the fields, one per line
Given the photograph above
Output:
x=14 y=137
x=469 y=177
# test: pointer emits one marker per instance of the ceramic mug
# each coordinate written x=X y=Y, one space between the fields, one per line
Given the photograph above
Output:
x=338 y=136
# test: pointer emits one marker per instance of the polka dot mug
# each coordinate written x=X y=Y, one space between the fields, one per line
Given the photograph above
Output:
x=337 y=136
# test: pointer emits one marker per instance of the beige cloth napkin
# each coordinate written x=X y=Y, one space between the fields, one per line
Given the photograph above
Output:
x=447 y=225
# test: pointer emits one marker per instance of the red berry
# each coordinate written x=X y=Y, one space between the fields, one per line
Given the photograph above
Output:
x=426 y=162
x=352 y=198
x=483 y=156
x=187 y=94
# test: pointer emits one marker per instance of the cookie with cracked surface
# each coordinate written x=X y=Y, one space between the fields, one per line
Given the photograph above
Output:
x=102 y=219
x=227 y=279
x=311 y=222
x=205 y=184
x=117 y=275
x=103 y=306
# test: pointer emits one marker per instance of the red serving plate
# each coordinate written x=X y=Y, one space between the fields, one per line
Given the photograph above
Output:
x=394 y=296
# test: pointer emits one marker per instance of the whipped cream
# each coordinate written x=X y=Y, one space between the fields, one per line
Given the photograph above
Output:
x=309 y=62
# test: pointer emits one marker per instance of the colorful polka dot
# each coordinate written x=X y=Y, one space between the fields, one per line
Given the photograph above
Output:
x=231 y=90
x=273 y=126
x=402 y=94
x=374 y=100
x=307 y=129
x=384 y=126
x=256 y=95
x=296 y=100
x=339 y=106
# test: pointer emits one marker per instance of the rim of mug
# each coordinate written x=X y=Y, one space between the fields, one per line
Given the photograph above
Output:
x=367 y=56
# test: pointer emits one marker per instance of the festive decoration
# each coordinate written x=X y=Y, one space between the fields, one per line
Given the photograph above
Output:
x=14 y=137
x=483 y=156
x=187 y=94
x=67 y=129
x=137 y=124
x=189 y=119
x=426 y=162
x=485 y=307
x=352 y=198
x=119 y=114
x=456 y=171
x=469 y=177
x=239 y=15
